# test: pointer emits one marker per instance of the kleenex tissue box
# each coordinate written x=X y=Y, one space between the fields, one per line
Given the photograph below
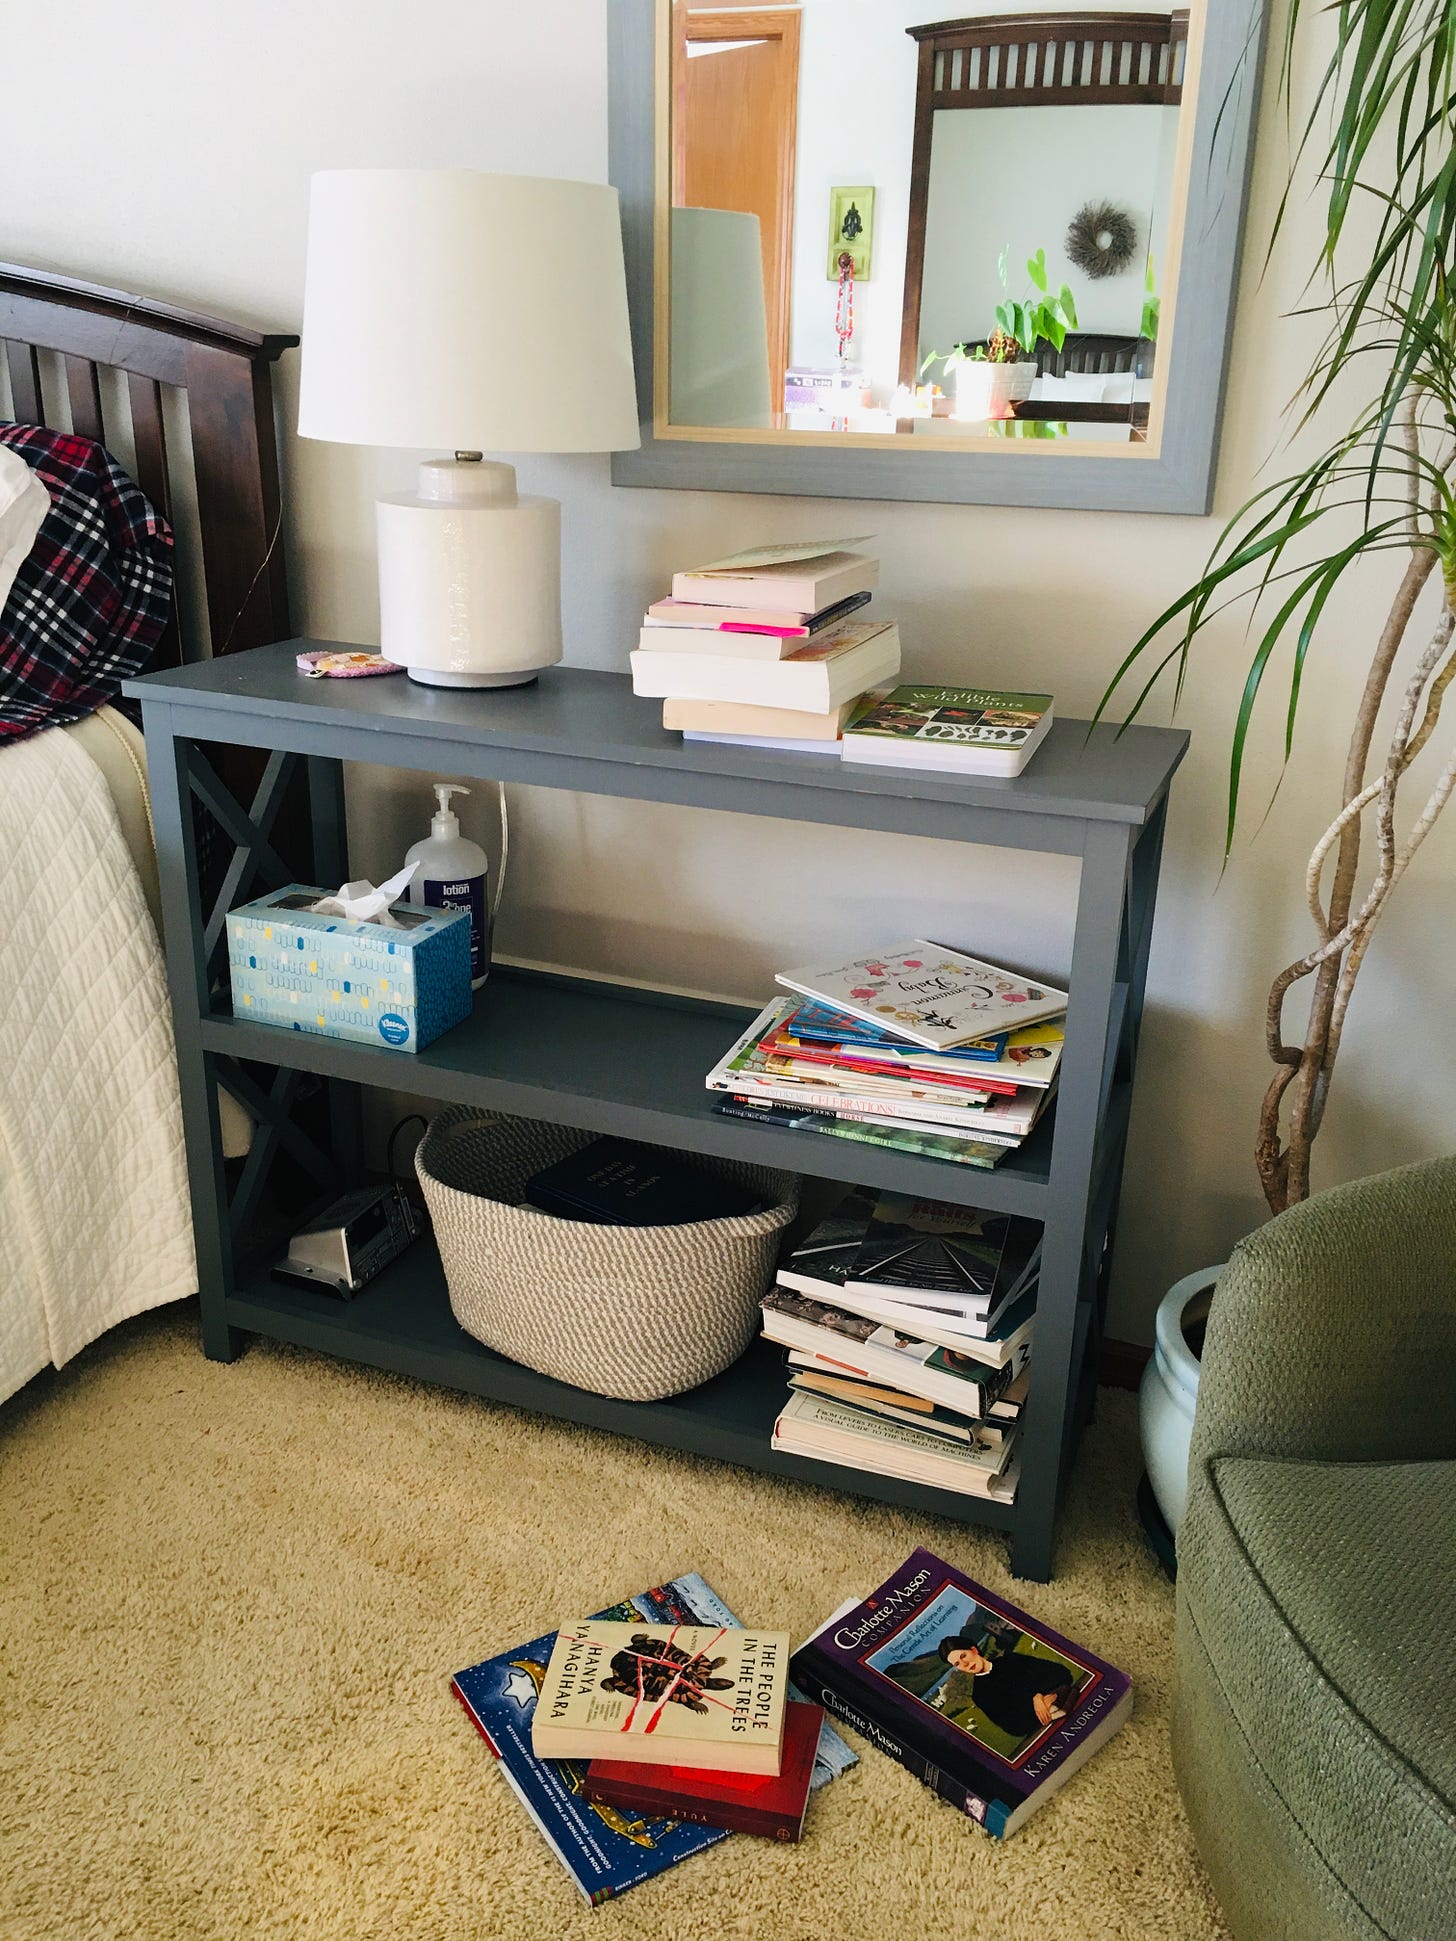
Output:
x=341 y=978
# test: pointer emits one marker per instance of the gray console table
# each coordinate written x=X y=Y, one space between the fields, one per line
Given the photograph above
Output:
x=612 y=1058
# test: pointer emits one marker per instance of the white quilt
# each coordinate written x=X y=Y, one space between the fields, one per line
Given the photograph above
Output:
x=94 y=1222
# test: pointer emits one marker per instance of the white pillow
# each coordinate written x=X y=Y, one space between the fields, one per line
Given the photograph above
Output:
x=24 y=503
x=1087 y=387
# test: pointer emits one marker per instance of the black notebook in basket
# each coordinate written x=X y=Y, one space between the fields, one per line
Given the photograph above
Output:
x=616 y=1184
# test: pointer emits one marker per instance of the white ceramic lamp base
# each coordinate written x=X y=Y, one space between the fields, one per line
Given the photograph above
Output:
x=469 y=577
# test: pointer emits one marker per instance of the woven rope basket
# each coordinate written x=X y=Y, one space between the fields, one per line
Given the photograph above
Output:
x=632 y=1312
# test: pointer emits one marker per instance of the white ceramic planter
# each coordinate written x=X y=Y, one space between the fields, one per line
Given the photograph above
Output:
x=1169 y=1391
x=989 y=390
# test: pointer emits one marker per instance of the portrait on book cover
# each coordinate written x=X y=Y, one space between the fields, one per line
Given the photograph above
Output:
x=998 y=1684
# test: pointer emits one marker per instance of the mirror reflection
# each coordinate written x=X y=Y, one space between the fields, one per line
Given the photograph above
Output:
x=885 y=221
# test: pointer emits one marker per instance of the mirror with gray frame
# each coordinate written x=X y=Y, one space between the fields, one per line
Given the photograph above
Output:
x=875 y=253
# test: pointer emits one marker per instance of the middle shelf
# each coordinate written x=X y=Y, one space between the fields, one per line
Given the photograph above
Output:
x=616 y=1058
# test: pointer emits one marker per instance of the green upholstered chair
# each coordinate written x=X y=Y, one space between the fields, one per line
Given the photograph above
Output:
x=1314 y=1719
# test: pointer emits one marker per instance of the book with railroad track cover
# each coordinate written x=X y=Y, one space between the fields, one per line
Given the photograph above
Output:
x=605 y=1850
x=991 y=1708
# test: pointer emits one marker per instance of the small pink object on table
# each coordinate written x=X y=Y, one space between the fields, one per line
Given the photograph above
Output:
x=344 y=666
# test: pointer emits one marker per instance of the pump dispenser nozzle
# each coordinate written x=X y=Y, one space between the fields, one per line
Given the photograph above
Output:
x=445 y=822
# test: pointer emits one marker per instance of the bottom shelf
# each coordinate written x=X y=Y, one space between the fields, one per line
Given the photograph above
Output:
x=402 y=1322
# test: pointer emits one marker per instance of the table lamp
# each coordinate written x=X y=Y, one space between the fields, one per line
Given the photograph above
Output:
x=479 y=313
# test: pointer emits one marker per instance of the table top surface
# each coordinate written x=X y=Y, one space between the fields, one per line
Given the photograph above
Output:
x=594 y=717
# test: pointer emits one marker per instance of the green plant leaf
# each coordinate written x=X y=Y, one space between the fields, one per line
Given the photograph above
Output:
x=1036 y=269
x=1069 y=308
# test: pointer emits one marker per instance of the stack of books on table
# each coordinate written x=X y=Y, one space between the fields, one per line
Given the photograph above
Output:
x=768 y=648
x=917 y=1047
x=908 y=1326
x=639 y=1737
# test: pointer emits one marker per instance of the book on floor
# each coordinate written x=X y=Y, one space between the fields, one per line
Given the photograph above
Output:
x=933 y=996
x=804 y=584
x=744 y=1802
x=831 y=1431
x=604 y=1850
x=838 y=1341
x=710 y=1696
x=820 y=675
x=962 y=730
x=987 y=1705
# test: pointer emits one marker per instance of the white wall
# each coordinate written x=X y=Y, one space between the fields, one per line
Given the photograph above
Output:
x=202 y=200
x=1013 y=178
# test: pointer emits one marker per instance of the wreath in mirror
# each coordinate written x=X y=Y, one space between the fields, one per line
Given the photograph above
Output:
x=1101 y=239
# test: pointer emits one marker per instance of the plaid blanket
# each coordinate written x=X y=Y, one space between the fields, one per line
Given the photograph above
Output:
x=90 y=603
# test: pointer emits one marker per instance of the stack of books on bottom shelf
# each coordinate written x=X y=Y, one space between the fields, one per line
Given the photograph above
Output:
x=918 y=1048
x=908 y=1327
x=650 y=1732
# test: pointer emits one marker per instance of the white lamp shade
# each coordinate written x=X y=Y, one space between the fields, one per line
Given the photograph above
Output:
x=718 y=348
x=448 y=309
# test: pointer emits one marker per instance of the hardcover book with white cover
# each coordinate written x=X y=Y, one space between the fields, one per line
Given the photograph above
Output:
x=928 y=994
x=819 y=676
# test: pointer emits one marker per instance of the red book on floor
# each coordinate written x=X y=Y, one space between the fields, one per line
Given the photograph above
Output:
x=742 y=1801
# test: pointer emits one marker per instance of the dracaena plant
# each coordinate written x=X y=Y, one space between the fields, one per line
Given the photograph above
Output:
x=1379 y=146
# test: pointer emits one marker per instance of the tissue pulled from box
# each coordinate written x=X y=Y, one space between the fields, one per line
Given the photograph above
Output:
x=363 y=903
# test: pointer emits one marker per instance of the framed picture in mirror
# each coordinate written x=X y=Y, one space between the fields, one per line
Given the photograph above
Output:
x=1055 y=201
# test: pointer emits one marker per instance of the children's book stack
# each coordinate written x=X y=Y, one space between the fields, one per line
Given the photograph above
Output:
x=908 y=1326
x=643 y=1736
x=770 y=647
x=916 y=1047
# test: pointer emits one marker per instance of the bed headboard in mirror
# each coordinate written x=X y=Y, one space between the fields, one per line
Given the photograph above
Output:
x=185 y=404
x=876 y=253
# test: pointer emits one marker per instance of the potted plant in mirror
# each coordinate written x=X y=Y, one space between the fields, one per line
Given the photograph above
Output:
x=991 y=377
x=1042 y=316
x=1383 y=489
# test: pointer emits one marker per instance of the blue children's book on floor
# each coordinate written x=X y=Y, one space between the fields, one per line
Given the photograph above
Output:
x=605 y=1850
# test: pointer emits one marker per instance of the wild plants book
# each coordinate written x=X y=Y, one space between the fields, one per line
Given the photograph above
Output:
x=710 y=1696
x=970 y=730
x=933 y=996
x=605 y=1851
x=992 y=1708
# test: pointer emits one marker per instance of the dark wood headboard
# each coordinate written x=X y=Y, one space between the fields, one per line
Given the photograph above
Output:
x=61 y=337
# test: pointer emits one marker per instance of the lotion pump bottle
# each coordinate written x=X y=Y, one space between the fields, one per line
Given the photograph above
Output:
x=452 y=876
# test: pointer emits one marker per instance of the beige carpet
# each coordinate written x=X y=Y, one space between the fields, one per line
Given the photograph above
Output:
x=232 y=1598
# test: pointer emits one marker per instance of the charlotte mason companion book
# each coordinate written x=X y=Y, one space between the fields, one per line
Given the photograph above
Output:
x=710 y=1696
x=988 y=1707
